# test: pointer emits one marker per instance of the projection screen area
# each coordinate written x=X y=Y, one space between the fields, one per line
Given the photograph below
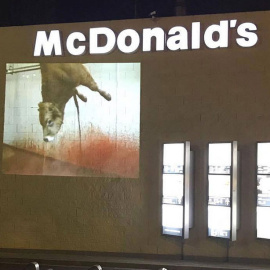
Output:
x=49 y=130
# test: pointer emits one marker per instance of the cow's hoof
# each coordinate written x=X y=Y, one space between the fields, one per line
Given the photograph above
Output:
x=107 y=96
x=82 y=97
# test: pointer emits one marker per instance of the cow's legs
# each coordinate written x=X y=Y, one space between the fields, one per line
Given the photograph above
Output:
x=87 y=80
x=81 y=96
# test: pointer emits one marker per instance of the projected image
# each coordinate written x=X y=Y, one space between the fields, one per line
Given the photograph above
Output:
x=172 y=219
x=219 y=221
x=219 y=189
x=219 y=158
x=72 y=119
x=173 y=185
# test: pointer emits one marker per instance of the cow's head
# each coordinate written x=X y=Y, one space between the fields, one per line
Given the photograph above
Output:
x=51 y=119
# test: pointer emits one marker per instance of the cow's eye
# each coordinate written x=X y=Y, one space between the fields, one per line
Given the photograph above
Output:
x=50 y=123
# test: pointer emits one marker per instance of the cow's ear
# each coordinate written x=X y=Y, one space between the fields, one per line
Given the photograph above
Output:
x=50 y=108
x=56 y=113
x=39 y=105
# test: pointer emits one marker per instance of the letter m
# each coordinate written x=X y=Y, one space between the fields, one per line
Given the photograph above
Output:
x=48 y=43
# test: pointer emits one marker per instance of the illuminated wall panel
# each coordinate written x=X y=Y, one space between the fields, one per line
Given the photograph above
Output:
x=222 y=190
x=263 y=190
x=176 y=191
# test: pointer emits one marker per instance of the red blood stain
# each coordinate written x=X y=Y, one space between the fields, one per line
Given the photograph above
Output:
x=98 y=153
x=101 y=153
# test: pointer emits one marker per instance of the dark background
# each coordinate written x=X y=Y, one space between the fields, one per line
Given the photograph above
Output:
x=19 y=12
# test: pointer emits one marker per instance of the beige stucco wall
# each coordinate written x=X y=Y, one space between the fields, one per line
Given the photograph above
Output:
x=201 y=96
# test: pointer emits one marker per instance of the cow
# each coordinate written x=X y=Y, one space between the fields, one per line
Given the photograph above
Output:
x=59 y=82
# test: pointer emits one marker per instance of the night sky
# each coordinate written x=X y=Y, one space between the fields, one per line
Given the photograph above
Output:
x=19 y=12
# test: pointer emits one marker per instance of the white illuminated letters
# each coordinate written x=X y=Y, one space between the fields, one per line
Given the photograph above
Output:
x=134 y=41
x=178 y=39
x=103 y=40
x=158 y=33
x=48 y=44
x=248 y=39
x=195 y=38
x=70 y=43
x=221 y=30
x=94 y=33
